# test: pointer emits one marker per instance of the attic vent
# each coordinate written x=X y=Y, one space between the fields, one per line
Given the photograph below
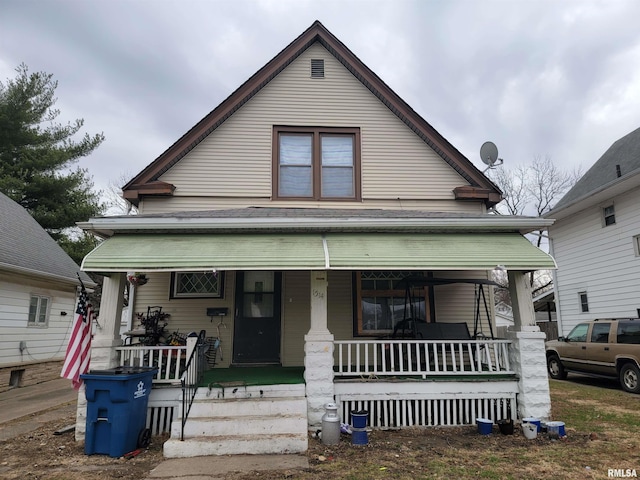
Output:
x=317 y=68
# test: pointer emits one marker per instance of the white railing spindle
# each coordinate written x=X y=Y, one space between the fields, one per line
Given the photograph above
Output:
x=422 y=357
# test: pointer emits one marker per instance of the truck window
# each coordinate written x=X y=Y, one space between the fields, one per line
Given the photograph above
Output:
x=600 y=332
x=579 y=333
x=629 y=332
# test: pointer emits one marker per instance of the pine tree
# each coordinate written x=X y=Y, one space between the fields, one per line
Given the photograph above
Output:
x=37 y=156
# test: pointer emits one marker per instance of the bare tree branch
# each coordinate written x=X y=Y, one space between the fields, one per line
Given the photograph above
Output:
x=532 y=189
x=116 y=204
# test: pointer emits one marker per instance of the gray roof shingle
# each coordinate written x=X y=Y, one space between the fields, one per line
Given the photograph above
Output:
x=624 y=152
x=24 y=244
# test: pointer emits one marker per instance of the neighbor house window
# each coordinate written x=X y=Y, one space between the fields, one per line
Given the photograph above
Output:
x=609 y=215
x=39 y=310
x=584 y=302
x=636 y=245
x=196 y=285
x=316 y=163
x=382 y=302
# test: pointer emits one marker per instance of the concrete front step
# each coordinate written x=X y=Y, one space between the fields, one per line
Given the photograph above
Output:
x=234 y=445
x=236 y=390
x=236 y=419
x=253 y=407
x=245 y=425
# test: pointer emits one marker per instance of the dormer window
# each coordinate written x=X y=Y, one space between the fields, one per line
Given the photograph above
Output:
x=316 y=163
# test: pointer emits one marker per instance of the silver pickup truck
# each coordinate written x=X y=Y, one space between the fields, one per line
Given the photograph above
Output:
x=608 y=347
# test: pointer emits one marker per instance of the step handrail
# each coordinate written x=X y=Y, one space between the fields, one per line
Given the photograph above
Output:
x=191 y=375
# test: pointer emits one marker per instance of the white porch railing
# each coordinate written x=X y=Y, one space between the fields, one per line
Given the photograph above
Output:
x=168 y=360
x=422 y=357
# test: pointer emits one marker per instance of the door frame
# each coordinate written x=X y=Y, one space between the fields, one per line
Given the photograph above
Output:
x=240 y=320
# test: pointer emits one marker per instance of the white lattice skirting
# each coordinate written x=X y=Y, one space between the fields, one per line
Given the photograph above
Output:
x=395 y=408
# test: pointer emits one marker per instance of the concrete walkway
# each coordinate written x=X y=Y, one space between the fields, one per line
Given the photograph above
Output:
x=36 y=405
x=217 y=467
x=41 y=403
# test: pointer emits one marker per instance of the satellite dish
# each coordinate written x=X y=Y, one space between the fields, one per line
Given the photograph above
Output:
x=489 y=153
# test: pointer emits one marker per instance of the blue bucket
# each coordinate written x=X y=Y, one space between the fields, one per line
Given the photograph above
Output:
x=359 y=419
x=359 y=437
x=535 y=421
x=485 y=426
x=556 y=428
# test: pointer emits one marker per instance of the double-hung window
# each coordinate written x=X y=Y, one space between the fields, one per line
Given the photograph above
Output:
x=584 y=302
x=319 y=163
x=38 y=310
x=608 y=215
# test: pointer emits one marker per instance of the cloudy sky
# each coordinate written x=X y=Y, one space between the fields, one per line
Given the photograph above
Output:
x=538 y=78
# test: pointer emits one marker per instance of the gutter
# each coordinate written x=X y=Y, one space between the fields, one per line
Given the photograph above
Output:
x=46 y=276
x=106 y=227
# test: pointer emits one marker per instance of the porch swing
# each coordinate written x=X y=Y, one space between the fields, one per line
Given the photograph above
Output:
x=411 y=326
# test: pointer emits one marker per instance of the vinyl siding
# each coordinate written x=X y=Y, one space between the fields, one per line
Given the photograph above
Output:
x=43 y=343
x=234 y=162
x=190 y=314
x=183 y=204
x=463 y=307
x=296 y=310
x=598 y=260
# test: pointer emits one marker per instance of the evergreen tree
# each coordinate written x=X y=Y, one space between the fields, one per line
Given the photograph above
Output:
x=37 y=157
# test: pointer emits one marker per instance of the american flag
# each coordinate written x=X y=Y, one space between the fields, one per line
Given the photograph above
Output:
x=76 y=361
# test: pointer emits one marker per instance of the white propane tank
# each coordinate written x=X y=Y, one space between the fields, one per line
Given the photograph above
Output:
x=330 y=425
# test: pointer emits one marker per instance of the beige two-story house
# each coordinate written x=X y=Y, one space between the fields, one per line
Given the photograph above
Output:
x=331 y=246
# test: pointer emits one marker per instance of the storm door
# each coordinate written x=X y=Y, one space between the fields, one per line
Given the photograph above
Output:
x=256 y=337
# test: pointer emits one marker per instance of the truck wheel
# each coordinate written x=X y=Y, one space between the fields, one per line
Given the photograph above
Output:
x=555 y=368
x=630 y=378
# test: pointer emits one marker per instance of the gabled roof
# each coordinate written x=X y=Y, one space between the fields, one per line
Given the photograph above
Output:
x=620 y=162
x=147 y=182
x=25 y=247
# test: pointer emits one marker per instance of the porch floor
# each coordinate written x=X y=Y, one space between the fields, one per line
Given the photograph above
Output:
x=263 y=375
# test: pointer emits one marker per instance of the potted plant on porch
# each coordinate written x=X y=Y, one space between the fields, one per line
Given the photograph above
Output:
x=137 y=279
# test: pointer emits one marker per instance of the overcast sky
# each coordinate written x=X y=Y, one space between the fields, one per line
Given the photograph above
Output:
x=538 y=78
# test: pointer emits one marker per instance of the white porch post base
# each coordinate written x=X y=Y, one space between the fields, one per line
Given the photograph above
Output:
x=106 y=338
x=528 y=360
x=318 y=375
x=81 y=415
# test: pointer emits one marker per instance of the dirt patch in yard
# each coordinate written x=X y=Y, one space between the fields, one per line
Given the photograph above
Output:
x=409 y=453
x=597 y=440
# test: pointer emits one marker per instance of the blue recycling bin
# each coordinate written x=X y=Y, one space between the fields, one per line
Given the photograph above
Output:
x=117 y=401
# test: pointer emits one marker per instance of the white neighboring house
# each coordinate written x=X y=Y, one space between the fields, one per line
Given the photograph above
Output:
x=596 y=239
x=38 y=283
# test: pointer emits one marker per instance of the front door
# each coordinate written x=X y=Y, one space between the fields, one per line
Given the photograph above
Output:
x=256 y=337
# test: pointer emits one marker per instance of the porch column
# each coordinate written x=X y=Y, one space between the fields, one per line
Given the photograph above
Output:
x=527 y=354
x=521 y=299
x=318 y=349
x=105 y=339
x=107 y=335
